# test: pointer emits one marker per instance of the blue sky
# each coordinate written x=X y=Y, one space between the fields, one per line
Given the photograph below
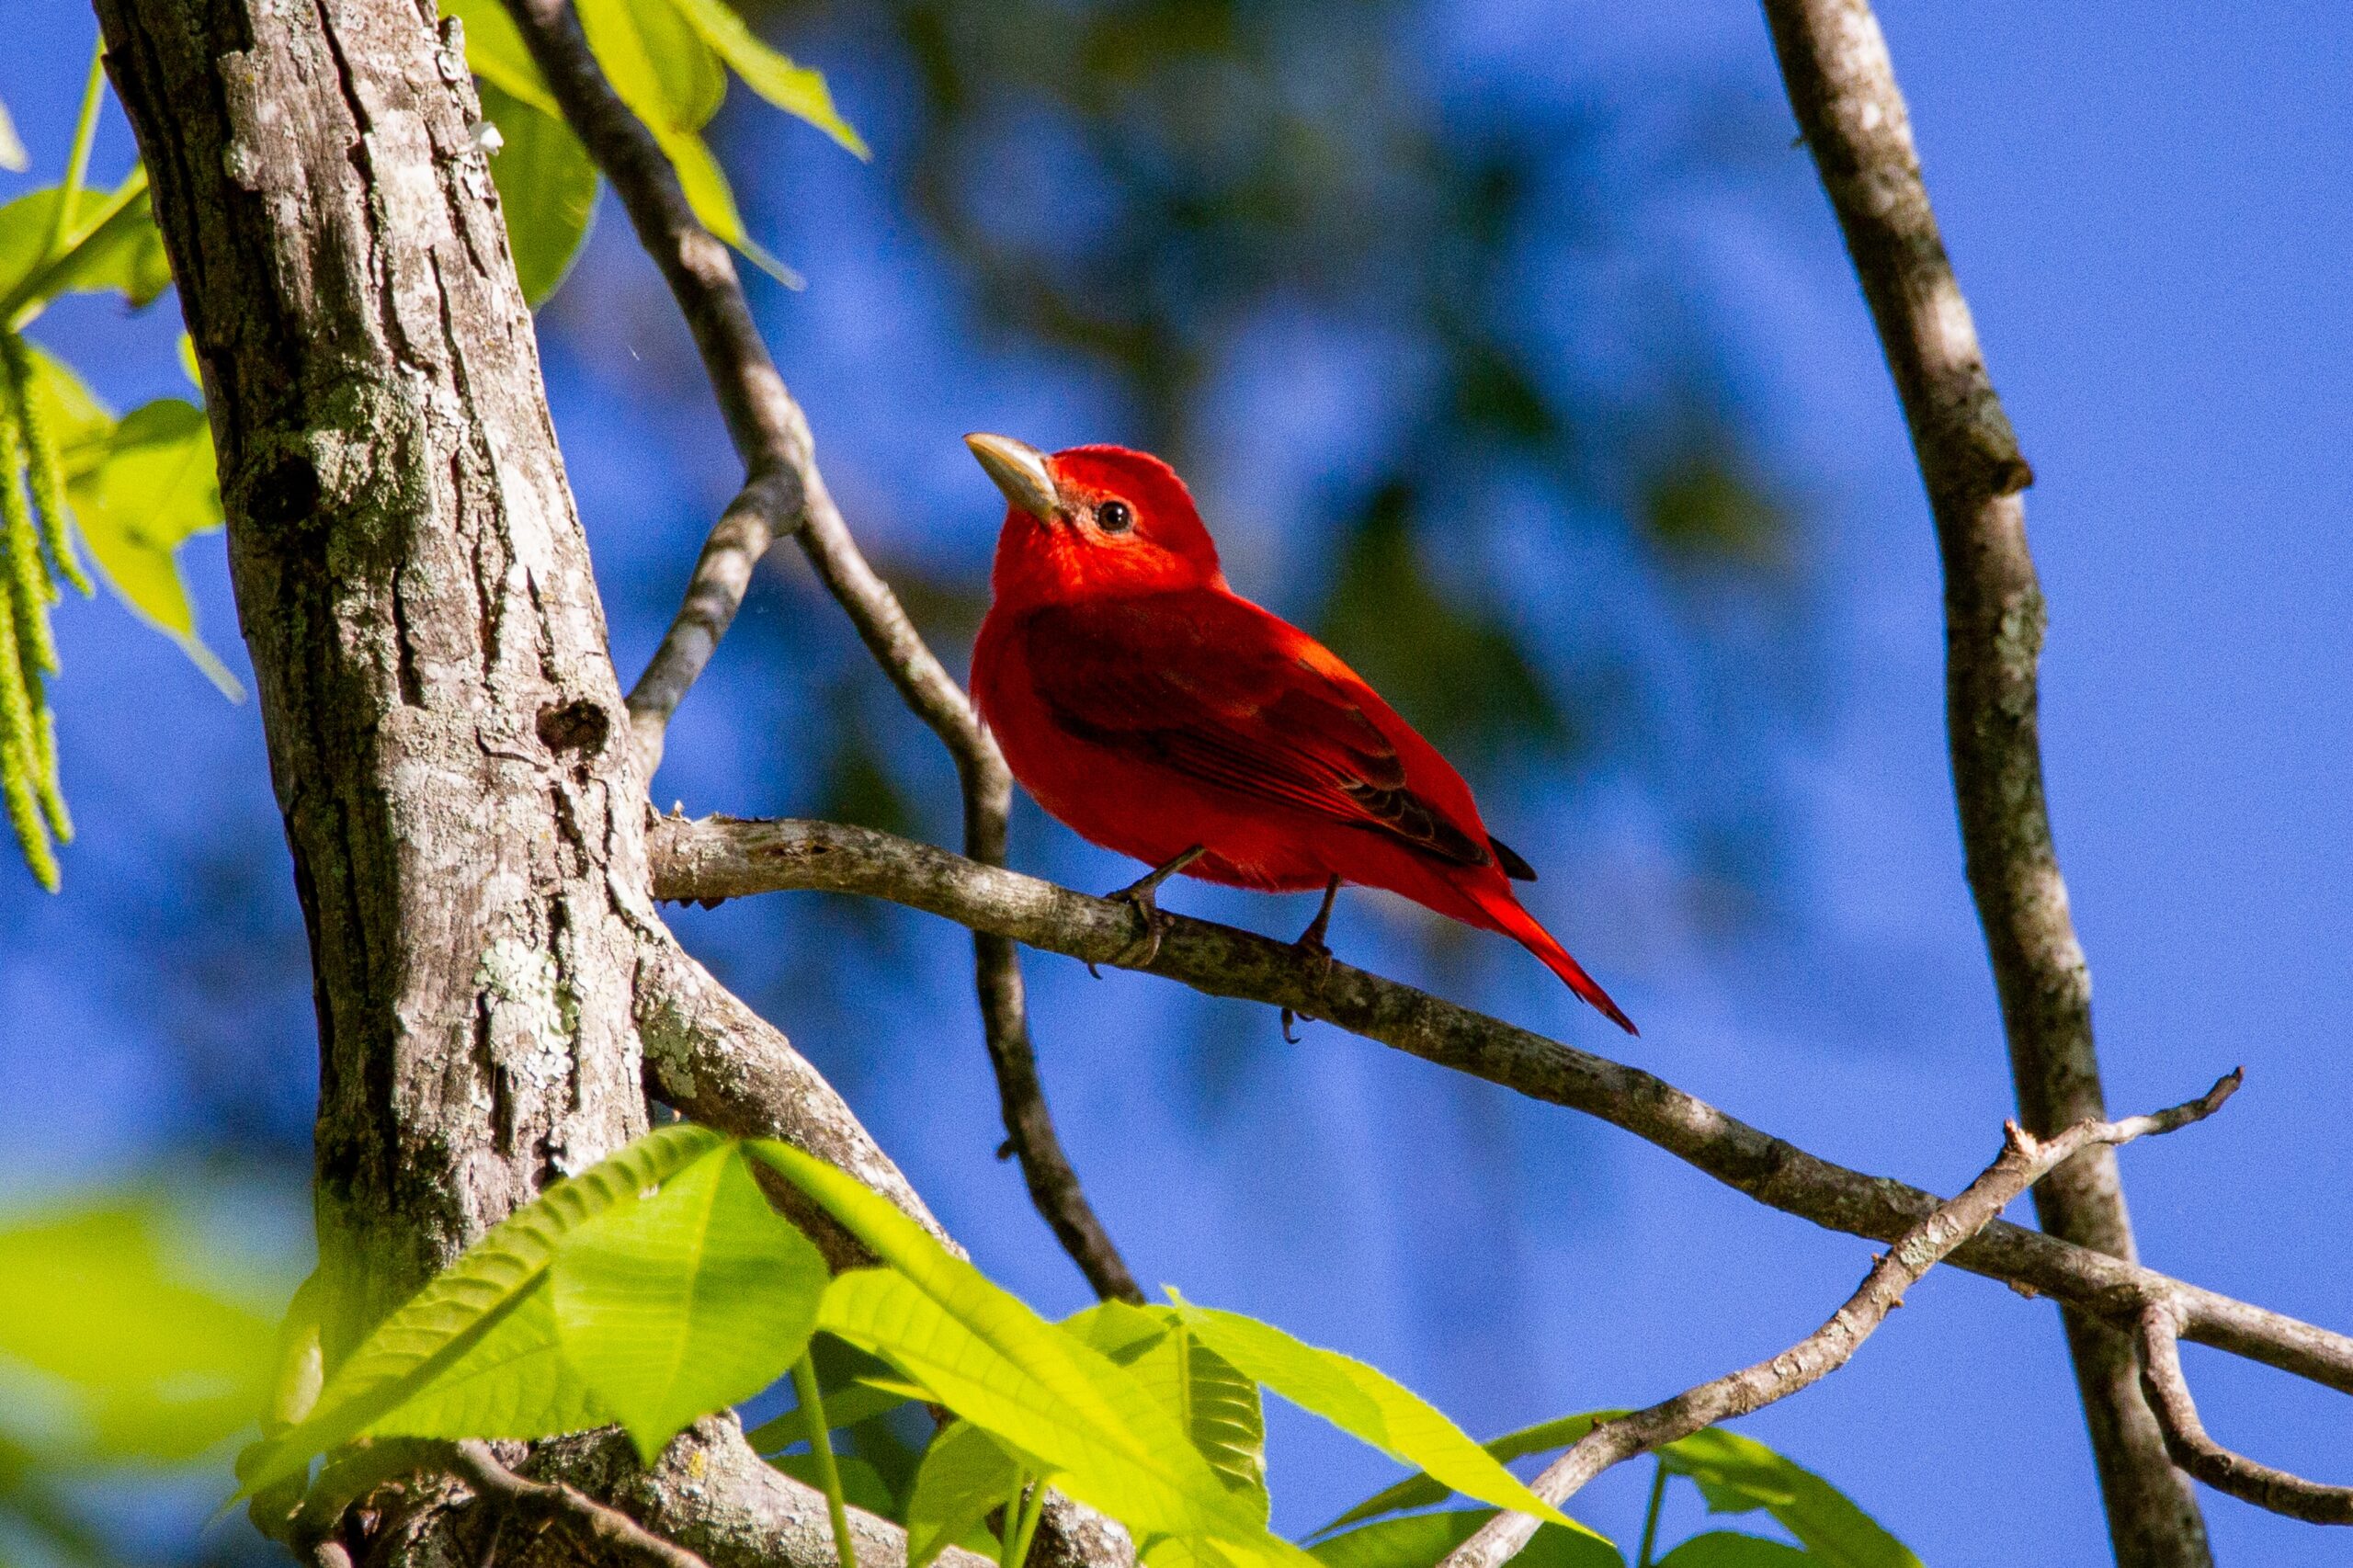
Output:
x=2149 y=210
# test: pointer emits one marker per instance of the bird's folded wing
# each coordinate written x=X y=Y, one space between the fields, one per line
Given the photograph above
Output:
x=1207 y=686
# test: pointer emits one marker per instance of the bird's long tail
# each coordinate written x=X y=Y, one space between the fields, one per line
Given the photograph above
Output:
x=1504 y=910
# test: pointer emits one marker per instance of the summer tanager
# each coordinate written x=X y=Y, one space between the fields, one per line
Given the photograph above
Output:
x=1159 y=713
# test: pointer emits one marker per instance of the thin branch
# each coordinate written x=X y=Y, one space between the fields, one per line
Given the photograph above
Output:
x=2024 y=1160
x=605 y=1526
x=1842 y=89
x=784 y=493
x=718 y=858
x=2217 y=1466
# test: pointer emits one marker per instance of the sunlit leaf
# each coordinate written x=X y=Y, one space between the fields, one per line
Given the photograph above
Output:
x=685 y=1302
x=1730 y=1549
x=1208 y=1394
x=1421 y=1539
x=508 y=1377
x=1421 y=1491
x=964 y=1476
x=1740 y=1474
x=139 y=491
x=124 y=254
x=547 y=187
x=713 y=200
x=501 y=1276
x=1367 y=1403
x=799 y=90
x=995 y=1362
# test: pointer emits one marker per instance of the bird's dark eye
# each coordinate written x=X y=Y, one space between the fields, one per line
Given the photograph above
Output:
x=1114 y=518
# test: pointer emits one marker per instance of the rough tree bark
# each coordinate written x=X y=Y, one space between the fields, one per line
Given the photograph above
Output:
x=1842 y=89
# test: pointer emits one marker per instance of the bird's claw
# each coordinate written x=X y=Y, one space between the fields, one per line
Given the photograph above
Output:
x=1312 y=945
x=1140 y=953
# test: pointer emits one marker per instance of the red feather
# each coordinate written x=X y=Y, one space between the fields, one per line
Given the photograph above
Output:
x=1150 y=709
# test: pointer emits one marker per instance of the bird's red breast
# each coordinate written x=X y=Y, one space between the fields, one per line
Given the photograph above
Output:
x=1150 y=709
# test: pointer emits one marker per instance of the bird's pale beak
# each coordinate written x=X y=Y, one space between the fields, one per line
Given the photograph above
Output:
x=1020 y=469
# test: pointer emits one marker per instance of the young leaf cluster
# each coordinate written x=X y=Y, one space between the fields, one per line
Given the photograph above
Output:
x=130 y=490
x=669 y=59
x=662 y=1286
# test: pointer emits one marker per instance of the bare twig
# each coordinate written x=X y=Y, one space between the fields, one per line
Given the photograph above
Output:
x=608 y=1527
x=2217 y=1466
x=784 y=493
x=1842 y=87
x=2024 y=1160
x=717 y=857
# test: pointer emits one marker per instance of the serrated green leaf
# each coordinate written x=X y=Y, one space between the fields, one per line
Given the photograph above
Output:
x=683 y=1302
x=987 y=1357
x=547 y=186
x=509 y=1380
x=140 y=490
x=1208 y=1394
x=1731 y=1549
x=862 y=1485
x=1740 y=1474
x=461 y=1307
x=1420 y=1540
x=799 y=90
x=965 y=1474
x=1367 y=1405
x=1421 y=1491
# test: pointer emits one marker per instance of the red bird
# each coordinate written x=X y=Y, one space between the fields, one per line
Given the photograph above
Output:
x=1159 y=713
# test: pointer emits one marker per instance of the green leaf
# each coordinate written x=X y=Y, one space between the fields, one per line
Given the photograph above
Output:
x=13 y=156
x=1209 y=1397
x=547 y=185
x=666 y=75
x=1421 y=1491
x=862 y=1485
x=509 y=1379
x=140 y=490
x=1730 y=1549
x=965 y=1474
x=496 y=54
x=714 y=201
x=1740 y=1474
x=502 y=1277
x=122 y=250
x=683 y=1302
x=1419 y=1540
x=851 y=1407
x=983 y=1354
x=1367 y=1405
x=137 y=1361
x=799 y=90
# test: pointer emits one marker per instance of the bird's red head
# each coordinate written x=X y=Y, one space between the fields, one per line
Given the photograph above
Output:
x=1092 y=522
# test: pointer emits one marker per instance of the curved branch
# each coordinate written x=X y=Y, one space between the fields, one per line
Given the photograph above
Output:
x=1842 y=89
x=716 y=856
x=784 y=493
x=2218 y=1467
x=2024 y=1160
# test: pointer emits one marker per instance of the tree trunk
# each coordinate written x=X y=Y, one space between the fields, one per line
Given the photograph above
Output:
x=414 y=588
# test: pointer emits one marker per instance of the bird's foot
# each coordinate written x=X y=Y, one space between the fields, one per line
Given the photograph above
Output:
x=1142 y=894
x=1312 y=944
